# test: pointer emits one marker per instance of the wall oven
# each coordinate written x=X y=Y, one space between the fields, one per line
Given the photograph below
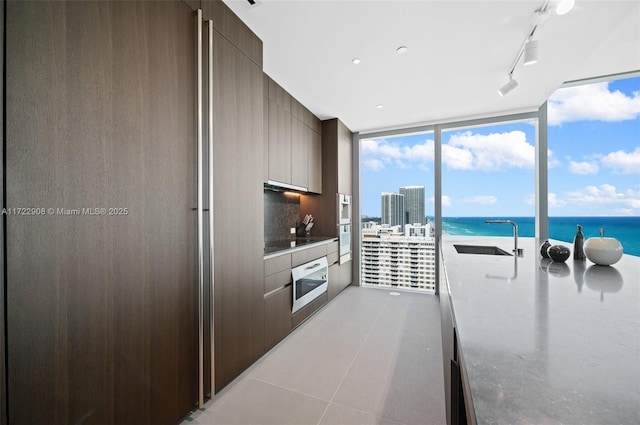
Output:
x=344 y=239
x=310 y=280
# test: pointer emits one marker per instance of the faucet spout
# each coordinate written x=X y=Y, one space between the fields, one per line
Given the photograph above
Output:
x=515 y=233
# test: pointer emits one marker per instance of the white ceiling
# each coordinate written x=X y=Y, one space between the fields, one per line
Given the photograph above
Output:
x=459 y=54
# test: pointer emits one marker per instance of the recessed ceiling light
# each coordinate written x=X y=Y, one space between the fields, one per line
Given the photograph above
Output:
x=379 y=106
x=355 y=61
x=402 y=49
x=564 y=6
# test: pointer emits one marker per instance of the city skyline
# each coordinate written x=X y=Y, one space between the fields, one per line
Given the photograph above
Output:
x=594 y=160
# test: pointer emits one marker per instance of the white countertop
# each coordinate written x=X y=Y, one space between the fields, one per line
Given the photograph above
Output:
x=546 y=343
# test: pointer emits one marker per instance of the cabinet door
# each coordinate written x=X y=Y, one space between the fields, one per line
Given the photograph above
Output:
x=279 y=143
x=299 y=153
x=334 y=281
x=239 y=259
x=277 y=316
x=100 y=308
x=346 y=271
x=315 y=161
x=344 y=159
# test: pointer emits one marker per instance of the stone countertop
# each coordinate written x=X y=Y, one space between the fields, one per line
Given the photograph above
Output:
x=276 y=248
x=544 y=342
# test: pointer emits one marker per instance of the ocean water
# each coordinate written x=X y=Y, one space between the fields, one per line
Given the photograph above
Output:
x=625 y=229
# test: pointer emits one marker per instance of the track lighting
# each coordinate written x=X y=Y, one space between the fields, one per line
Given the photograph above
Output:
x=512 y=84
x=531 y=52
x=564 y=6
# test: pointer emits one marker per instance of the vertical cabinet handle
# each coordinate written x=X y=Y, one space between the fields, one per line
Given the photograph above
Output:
x=200 y=209
x=211 y=208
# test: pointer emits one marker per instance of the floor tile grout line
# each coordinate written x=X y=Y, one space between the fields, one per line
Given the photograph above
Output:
x=354 y=359
x=288 y=389
x=368 y=413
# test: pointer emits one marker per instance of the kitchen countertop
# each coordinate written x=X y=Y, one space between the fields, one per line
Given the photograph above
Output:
x=275 y=248
x=543 y=342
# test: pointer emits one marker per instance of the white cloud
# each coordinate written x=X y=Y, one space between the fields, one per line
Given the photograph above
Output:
x=492 y=152
x=604 y=194
x=552 y=200
x=374 y=164
x=480 y=199
x=583 y=167
x=464 y=151
x=446 y=200
x=593 y=198
x=623 y=162
x=457 y=158
x=592 y=102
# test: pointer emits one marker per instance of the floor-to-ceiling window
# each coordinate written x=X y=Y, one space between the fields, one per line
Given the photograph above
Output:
x=594 y=177
x=397 y=198
x=488 y=172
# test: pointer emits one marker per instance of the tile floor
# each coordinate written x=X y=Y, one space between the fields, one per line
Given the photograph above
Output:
x=375 y=359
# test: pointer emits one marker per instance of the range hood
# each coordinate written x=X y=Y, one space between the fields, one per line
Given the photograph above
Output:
x=284 y=187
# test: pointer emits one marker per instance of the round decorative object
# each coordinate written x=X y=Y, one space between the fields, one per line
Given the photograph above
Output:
x=543 y=249
x=603 y=251
x=559 y=253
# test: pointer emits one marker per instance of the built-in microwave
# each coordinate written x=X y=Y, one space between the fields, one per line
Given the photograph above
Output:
x=344 y=208
x=310 y=280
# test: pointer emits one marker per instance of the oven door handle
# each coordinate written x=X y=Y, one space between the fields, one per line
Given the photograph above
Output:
x=313 y=266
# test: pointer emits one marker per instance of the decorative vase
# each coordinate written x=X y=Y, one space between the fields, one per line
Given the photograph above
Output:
x=543 y=249
x=578 y=245
x=603 y=251
x=559 y=253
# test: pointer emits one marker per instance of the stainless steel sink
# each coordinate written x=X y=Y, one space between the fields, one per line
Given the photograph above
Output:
x=480 y=249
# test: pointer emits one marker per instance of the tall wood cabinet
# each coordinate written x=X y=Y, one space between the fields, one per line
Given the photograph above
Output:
x=100 y=273
x=238 y=133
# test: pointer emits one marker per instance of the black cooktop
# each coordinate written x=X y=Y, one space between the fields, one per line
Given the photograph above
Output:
x=274 y=246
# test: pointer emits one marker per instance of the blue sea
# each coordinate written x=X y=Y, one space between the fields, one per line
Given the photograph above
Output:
x=625 y=229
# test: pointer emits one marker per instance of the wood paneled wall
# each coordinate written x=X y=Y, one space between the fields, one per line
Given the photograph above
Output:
x=100 y=107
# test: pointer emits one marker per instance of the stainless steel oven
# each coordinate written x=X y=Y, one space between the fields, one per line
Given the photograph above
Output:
x=310 y=280
x=344 y=239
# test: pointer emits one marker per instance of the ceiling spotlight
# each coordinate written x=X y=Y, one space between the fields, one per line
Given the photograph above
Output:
x=379 y=106
x=355 y=61
x=564 y=6
x=531 y=52
x=402 y=49
x=512 y=84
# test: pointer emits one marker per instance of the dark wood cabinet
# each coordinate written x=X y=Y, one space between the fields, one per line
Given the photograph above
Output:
x=293 y=143
x=279 y=142
x=238 y=175
x=336 y=175
x=315 y=161
x=277 y=316
x=100 y=308
x=334 y=281
x=230 y=26
x=299 y=153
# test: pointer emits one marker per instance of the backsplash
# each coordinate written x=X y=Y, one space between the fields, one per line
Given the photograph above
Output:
x=281 y=213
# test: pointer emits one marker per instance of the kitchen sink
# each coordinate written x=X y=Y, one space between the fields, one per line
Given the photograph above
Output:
x=480 y=249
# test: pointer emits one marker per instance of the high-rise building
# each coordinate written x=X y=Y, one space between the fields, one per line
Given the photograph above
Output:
x=413 y=204
x=392 y=259
x=393 y=209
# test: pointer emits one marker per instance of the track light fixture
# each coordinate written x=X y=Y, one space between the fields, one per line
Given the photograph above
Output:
x=512 y=84
x=530 y=52
x=528 y=48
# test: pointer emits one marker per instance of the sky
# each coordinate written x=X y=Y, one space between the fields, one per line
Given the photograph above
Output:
x=594 y=160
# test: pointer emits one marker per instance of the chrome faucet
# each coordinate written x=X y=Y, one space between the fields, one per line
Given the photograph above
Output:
x=516 y=251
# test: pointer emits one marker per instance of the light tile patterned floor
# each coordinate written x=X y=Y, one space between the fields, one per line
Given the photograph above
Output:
x=374 y=359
